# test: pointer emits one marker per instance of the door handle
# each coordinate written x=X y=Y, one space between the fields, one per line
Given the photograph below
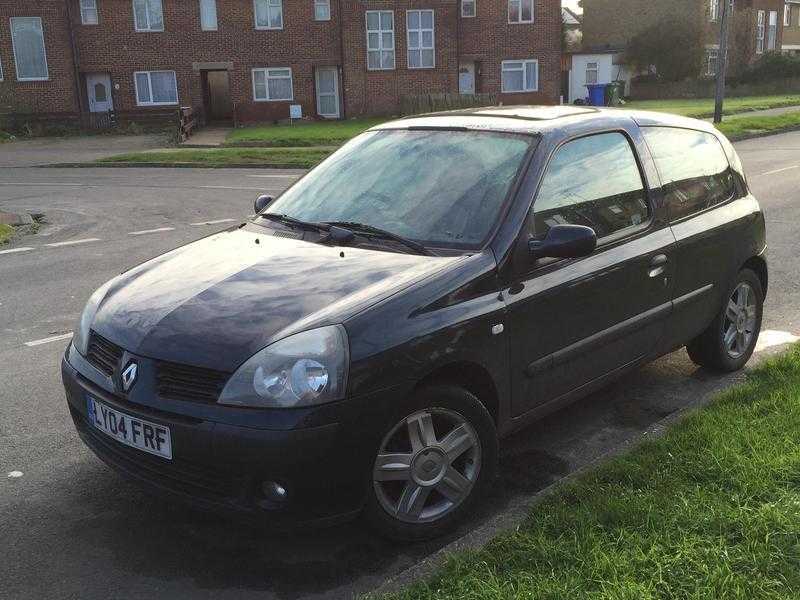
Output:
x=658 y=265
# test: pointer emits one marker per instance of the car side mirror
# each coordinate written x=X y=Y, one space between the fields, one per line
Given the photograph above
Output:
x=262 y=202
x=564 y=241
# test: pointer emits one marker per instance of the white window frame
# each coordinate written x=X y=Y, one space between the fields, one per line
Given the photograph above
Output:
x=787 y=15
x=147 y=13
x=712 y=53
x=326 y=4
x=713 y=10
x=380 y=49
x=271 y=5
x=420 y=30
x=520 y=3
x=89 y=7
x=595 y=70
x=205 y=26
x=2 y=76
x=761 y=41
x=44 y=51
x=473 y=4
x=267 y=77
x=772 y=31
x=525 y=83
x=150 y=87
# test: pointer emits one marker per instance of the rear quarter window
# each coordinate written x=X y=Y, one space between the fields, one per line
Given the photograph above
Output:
x=694 y=169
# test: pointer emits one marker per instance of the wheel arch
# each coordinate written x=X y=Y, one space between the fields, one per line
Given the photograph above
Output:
x=473 y=377
x=758 y=265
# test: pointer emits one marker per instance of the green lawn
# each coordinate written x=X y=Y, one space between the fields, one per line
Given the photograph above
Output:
x=6 y=233
x=743 y=126
x=704 y=107
x=306 y=133
x=304 y=158
x=709 y=511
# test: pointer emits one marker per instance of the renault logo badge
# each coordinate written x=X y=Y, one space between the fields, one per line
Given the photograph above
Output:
x=129 y=376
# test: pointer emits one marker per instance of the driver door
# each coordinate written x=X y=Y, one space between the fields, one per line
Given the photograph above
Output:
x=575 y=321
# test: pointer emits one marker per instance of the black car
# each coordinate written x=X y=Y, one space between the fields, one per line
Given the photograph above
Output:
x=438 y=283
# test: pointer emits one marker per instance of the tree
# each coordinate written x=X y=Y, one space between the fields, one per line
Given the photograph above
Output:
x=674 y=47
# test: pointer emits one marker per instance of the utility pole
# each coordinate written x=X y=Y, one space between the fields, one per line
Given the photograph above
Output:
x=722 y=58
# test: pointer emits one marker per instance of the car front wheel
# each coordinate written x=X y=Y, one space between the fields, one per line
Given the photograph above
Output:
x=436 y=458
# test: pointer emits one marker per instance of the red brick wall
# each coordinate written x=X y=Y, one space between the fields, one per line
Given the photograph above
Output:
x=57 y=95
x=113 y=46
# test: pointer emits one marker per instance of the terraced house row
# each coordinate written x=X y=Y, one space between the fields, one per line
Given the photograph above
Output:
x=256 y=58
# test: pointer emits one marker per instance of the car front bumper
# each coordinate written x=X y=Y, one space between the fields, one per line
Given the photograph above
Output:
x=222 y=467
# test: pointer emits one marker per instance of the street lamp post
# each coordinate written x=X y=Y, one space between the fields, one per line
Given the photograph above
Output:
x=722 y=59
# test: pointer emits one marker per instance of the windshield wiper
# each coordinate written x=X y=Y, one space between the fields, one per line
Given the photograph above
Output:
x=370 y=231
x=292 y=222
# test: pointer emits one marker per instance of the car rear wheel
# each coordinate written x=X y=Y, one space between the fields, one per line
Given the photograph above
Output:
x=436 y=458
x=730 y=340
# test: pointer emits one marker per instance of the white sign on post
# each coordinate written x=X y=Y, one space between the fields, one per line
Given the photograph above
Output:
x=295 y=111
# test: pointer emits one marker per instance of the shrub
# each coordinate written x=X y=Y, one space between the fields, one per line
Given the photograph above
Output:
x=675 y=47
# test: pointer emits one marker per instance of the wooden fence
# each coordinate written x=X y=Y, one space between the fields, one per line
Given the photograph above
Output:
x=186 y=123
x=425 y=103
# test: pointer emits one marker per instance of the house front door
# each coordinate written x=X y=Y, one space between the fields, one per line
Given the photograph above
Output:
x=466 y=78
x=328 y=92
x=98 y=89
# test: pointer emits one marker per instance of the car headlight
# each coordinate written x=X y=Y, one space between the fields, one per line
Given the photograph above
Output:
x=80 y=338
x=304 y=369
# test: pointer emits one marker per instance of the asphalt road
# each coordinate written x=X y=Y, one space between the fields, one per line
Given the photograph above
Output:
x=71 y=528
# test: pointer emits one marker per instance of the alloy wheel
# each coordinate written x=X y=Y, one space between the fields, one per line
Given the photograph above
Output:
x=739 y=325
x=427 y=465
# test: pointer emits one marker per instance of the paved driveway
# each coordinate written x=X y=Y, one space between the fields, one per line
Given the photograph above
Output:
x=45 y=151
x=71 y=528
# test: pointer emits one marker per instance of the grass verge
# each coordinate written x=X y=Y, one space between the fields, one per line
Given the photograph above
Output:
x=310 y=133
x=302 y=158
x=711 y=510
x=6 y=233
x=704 y=107
x=742 y=127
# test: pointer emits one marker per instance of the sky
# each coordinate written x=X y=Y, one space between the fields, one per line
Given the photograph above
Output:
x=573 y=4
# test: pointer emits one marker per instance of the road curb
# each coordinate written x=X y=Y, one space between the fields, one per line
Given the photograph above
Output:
x=519 y=509
x=762 y=134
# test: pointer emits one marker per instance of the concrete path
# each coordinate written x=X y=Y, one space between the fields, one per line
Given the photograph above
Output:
x=208 y=137
x=768 y=112
x=46 y=151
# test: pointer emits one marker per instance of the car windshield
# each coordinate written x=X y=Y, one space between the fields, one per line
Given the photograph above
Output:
x=442 y=188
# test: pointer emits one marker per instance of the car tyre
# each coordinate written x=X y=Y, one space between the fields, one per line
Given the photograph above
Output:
x=730 y=340
x=421 y=488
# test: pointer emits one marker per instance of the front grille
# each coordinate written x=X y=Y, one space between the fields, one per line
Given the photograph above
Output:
x=103 y=355
x=182 y=382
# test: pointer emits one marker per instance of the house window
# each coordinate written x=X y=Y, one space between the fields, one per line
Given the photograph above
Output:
x=380 y=40
x=592 y=71
x=712 y=62
x=269 y=14
x=272 y=85
x=713 y=10
x=155 y=88
x=419 y=25
x=148 y=15
x=772 y=32
x=89 y=12
x=520 y=76
x=467 y=8
x=520 y=11
x=787 y=15
x=208 y=15
x=27 y=39
x=760 y=32
x=322 y=10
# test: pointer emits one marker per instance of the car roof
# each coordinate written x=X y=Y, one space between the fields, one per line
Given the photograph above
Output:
x=542 y=119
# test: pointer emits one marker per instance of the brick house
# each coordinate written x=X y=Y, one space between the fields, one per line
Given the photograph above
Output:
x=255 y=58
x=756 y=25
x=791 y=27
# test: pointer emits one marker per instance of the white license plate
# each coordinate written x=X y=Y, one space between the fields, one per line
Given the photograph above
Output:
x=129 y=430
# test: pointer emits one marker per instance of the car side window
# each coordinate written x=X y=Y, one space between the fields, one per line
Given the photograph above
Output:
x=694 y=169
x=593 y=181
